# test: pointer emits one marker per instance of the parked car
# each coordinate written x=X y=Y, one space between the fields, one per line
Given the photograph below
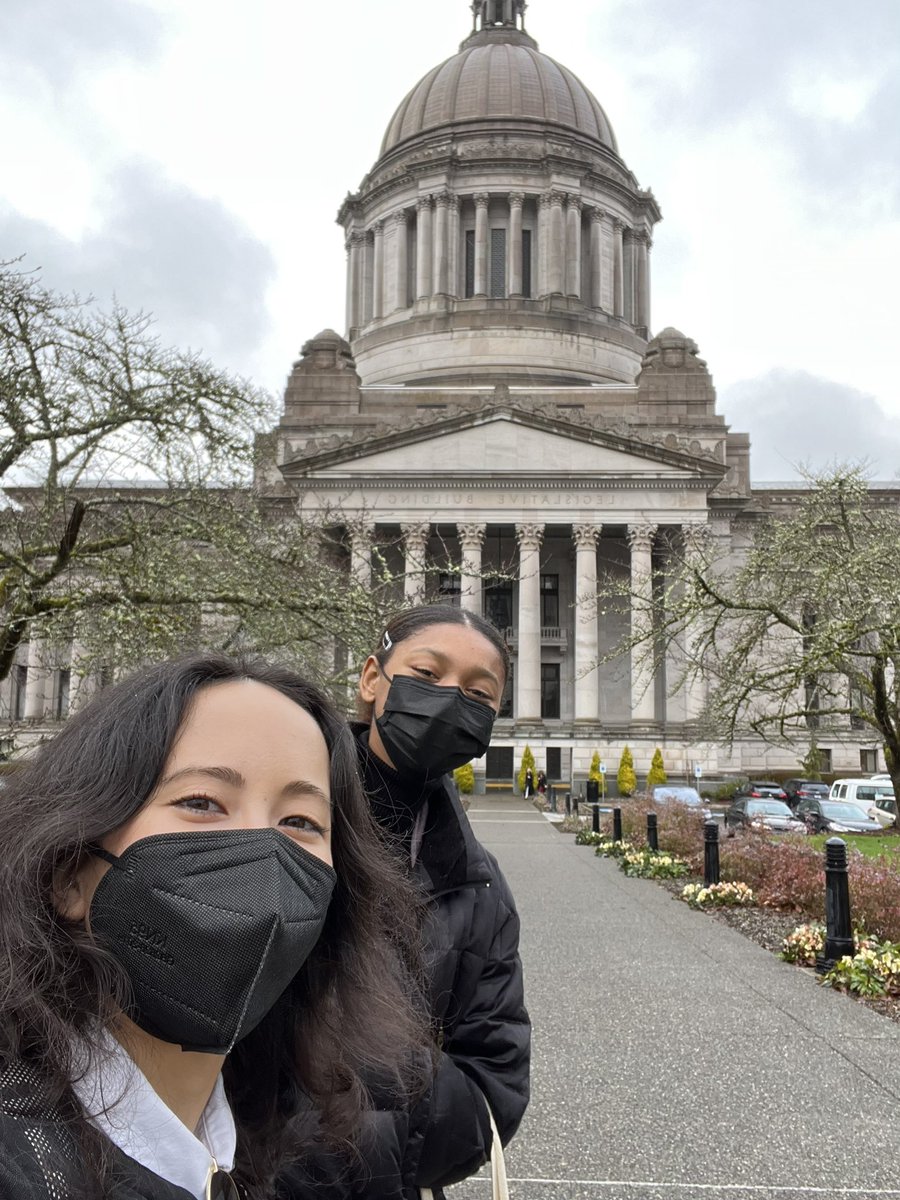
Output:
x=761 y=789
x=804 y=789
x=835 y=816
x=773 y=815
x=661 y=793
x=876 y=799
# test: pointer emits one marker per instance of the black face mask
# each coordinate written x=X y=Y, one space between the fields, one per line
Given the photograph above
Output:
x=429 y=730
x=211 y=927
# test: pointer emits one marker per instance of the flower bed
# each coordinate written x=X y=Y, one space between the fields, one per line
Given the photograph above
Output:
x=721 y=895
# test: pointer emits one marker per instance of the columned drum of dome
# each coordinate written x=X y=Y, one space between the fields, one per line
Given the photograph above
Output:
x=512 y=240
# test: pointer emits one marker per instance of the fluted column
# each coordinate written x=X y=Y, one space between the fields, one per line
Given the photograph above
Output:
x=424 y=248
x=628 y=275
x=415 y=545
x=481 y=244
x=82 y=683
x=361 y=554
x=514 y=244
x=596 y=288
x=357 y=247
x=556 y=250
x=642 y=245
x=37 y=681
x=587 y=641
x=453 y=247
x=399 y=285
x=698 y=549
x=528 y=668
x=573 y=247
x=471 y=540
x=368 y=275
x=643 y=692
x=618 y=269
x=441 y=259
x=378 y=270
x=543 y=245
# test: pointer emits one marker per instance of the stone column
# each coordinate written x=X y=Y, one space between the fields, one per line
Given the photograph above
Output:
x=399 y=288
x=556 y=250
x=618 y=270
x=628 y=275
x=543 y=244
x=378 y=270
x=424 y=248
x=698 y=550
x=368 y=275
x=415 y=544
x=82 y=683
x=643 y=697
x=642 y=244
x=528 y=668
x=441 y=259
x=361 y=553
x=514 y=243
x=357 y=245
x=587 y=641
x=37 y=681
x=573 y=247
x=471 y=540
x=481 y=244
x=453 y=247
x=596 y=289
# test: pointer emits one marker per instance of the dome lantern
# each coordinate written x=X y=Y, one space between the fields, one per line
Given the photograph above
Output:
x=489 y=14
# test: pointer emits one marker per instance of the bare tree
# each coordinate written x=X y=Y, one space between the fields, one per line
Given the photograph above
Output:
x=801 y=635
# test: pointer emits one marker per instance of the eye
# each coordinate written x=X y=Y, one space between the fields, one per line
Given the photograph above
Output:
x=303 y=825
x=199 y=803
x=426 y=672
x=483 y=697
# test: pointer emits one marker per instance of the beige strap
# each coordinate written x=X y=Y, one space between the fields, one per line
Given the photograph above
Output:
x=499 y=1186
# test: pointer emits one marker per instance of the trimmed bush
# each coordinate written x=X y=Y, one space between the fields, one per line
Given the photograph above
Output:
x=465 y=779
x=594 y=772
x=626 y=778
x=657 y=772
x=527 y=761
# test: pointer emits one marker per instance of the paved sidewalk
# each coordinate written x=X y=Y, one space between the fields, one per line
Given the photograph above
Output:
x=674 y=1059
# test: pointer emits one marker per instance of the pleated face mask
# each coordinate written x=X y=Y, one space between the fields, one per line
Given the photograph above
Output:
x=211 y=927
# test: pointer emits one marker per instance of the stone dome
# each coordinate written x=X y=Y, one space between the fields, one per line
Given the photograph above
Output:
x=499 y=78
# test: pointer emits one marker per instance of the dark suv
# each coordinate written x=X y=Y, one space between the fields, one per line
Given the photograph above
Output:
x=761 y=789
x=804 y=789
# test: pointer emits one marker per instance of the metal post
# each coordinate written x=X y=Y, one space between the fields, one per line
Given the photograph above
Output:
x=710 y=852
x=595 y=817
x=568 y=804
x=551 y=796
x=617 y=824
x=838 y=924
x=652 y=832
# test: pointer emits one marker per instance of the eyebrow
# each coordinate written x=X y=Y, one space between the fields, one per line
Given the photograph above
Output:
x=480 y=670
x=297 y=787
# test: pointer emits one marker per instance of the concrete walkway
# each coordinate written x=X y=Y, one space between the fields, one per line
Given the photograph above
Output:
x=673 y=1058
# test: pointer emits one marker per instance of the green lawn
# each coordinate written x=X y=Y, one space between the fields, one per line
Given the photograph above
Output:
x=888 y=843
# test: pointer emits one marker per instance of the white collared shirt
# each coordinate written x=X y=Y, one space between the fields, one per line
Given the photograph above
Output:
x=119 y=1101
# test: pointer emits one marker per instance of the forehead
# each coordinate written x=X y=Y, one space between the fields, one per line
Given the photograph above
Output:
x=243 y=717
x=466 y=648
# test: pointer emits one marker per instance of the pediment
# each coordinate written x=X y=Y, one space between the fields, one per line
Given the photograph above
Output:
x=502 y=443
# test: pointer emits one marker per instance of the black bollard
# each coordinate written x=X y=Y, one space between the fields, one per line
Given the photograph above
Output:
x=710 y=852
x=617 y=824
x=595 y=817
x=593 y=799
x=568 y=804
x=838 y=925
x=652 y=832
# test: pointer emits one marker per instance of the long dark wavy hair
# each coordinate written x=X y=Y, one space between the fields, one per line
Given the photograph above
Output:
x=352 y=1014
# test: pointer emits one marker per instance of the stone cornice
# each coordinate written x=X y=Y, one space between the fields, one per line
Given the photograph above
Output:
x=491 y=483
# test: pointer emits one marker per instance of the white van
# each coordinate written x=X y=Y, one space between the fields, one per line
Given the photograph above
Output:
x=872 y=796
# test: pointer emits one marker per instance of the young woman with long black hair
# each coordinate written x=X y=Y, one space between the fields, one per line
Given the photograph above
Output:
x=199 y=928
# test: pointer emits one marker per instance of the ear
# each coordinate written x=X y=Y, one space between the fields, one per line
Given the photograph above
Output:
x=368 y=679
x=73 y=892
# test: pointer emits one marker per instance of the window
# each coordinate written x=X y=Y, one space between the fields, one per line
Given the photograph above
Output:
x=498 y=603
x=825 y=760
x=19 y=684
x=470 y=264
x=857 y=708
x=549 y=601
x=500 y=763
x=526 y=262
x=868 y=761
x=509 y=691
x=498 y=264
x=550 y=691
x=554 y=764
x=450 y=589
x=63 y=683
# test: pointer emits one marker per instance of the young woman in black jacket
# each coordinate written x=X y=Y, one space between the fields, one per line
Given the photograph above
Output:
x=430 y=694
x=197 y=917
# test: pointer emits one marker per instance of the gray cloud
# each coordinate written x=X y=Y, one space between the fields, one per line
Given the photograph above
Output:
x=751 y=55
x=800 y=420
x=57 y=41
x=166 y=250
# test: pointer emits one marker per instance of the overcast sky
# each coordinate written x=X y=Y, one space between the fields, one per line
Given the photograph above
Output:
x=190 y=156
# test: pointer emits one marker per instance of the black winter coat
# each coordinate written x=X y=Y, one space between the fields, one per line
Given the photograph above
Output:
x=39 y=1158
x=476 y=995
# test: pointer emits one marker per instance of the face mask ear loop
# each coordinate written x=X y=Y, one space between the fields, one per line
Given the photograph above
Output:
x=97 y=850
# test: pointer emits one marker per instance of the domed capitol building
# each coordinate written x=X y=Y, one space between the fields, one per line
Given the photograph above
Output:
x=500 y=405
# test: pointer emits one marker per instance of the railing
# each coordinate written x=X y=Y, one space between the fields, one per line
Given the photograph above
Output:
x=549 y=634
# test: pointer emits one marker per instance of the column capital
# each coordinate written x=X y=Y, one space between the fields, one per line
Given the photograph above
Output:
x=453 y=202
x=416 y=534
x=529 y=536
x=471 y=535
x=442 y=198
x=586 y=536
x=574 y=202
x=516 y=199
x=555 y=196
x=596 y=214
x=640 y=535
x=629 y=234
x=378 y=226
x=481 y=199
x=618 y=225
x=362 y=529
x=424 y=203
x=545 y=200
x=642 y=237
x=359 y=238
x=399 y=218
x=697 y=541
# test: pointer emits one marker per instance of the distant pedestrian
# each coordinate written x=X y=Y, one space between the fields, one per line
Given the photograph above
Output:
x=542 y=783
x=529 y=783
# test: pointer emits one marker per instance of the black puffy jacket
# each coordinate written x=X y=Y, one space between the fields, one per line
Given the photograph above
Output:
x=477 y=1001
